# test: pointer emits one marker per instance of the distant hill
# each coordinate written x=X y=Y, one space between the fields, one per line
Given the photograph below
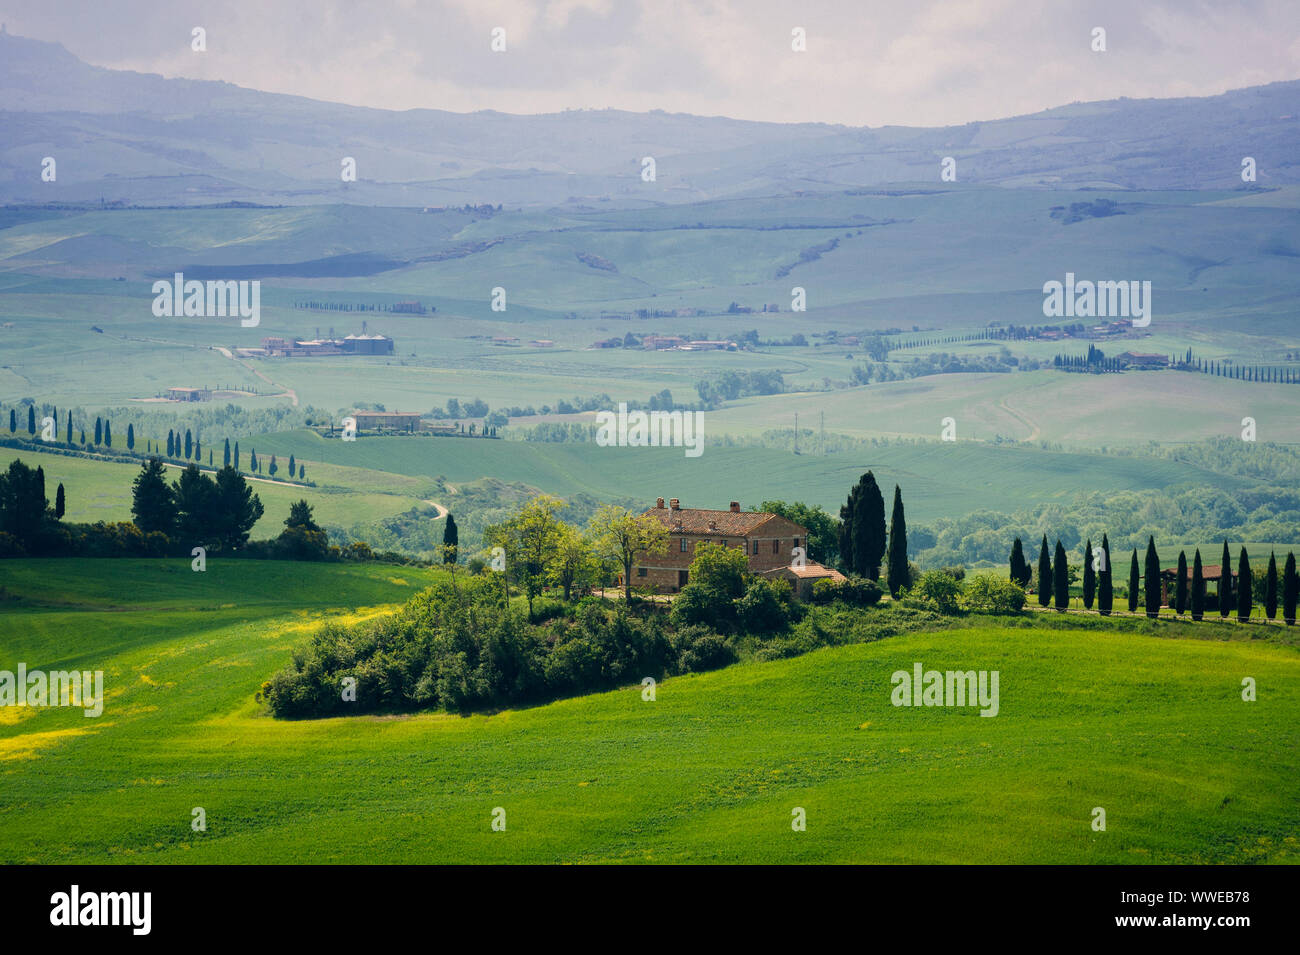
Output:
x=144 y=139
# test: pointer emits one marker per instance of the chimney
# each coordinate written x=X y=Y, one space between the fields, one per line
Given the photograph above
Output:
x=659 y=502
x=713 y=525
x=675 y=504
x=735 y=507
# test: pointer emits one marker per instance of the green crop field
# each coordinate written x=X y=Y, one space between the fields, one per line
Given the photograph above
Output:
x=1152 y=729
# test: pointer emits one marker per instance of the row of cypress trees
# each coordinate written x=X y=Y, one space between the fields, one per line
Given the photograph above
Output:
x=1189 y=594
x=863 y=540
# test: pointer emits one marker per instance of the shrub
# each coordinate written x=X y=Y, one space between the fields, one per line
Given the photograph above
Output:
x=762 y=609
x=938 y=589
x=855 y=591
x=991 y=594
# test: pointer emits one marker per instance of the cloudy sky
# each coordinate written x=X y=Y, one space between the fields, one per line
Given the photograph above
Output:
x=914 y=62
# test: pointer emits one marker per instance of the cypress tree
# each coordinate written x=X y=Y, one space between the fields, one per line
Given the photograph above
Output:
x=1198 y=587
x=130 y=437
x=1134 y=582
x=1225 y=583
x=31 y=419
x=225 y=455
x=450 y=541
x=1151 y=589
x=108 y=433
x=1020 y=572
x=99 y=431
x=83 y=437
x=899 y=574
x=13 y=421
x=252 y=460
x=60 y=503
x=1105 y=589
x=292 y=466
x=273 y=467
x=171 y=445
x=1060 y=578
x=1044 y=574
x=1290 y=590
x=69 y=428
x=189 y=444
x=236 y=455
x=1180 y=589
x=1089 y=574
x=1270 y=588
x=869 y=532
x=1245 y=593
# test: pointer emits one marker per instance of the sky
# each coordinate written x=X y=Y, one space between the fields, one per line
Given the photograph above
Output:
x=866 y=63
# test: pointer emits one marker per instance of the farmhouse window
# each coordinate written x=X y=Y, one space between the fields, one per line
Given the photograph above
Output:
x=683 y=545
x=640 y=571
x=776 y=547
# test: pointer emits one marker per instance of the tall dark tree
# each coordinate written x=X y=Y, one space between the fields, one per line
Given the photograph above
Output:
x=899 y=574
x=69 y=428
x=153 y=505
x=1134 y=583
x=252 y=460
x=1089 y=576
x=13 y=421
x=236 y=462
x=1225 y=583
x=130 y=437
x=171 y=445
x=869 y=534
x=225 y=455
x=189 y=444
x=198 y=450
x=83 y=437
x=450 y=541
x=196 y=519
x=99 y=431
x=1105 y=588
x=1270 y=588
x=293 y=466
x=1044 y=582
x=1060 y=577
x=1198 y=587
x=1245 y=592
x=23 y=507
x=31 y=419
x=1180 y=588
x=238 y=508
x=108 y=433
x=272 y=467
x=60 y=503
x=1151 y=580
x=300 y=516
x=1290 y=590
x=1020 y=572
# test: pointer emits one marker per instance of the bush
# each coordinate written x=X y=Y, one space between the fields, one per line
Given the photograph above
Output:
x=763 y=608
x=938 y=589
x=855 y=591
x=989 y=593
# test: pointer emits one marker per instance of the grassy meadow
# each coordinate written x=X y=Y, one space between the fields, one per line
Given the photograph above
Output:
x=1151 y=728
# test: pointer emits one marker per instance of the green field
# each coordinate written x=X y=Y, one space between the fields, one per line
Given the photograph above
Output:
x=1151 y=729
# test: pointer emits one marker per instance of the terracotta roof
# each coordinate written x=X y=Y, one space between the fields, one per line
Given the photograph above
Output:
x=695 y=520
x=1208 y=572
x=810 y=571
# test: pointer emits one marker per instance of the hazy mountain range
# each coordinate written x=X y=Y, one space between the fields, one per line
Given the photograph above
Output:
x=144 y=139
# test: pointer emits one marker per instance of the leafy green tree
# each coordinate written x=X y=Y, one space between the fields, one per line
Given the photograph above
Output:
x=1105 y=585
x=1225 y=583
x=450 y=541
x=1044 y=582
x=1270 y=588
x=1290 y=590
x=300 y=516
x=1089 y=576
x=1198 y=587
x=1245 y=592
x=1134 y=582
x=1060 y=578
x=530 y=539
x=718 y=578
x=1180 y=588
x=575 y=564
x=153 y=503
x=939 y=588
x=823 y=529
x=899 y=574
x=620 y=536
